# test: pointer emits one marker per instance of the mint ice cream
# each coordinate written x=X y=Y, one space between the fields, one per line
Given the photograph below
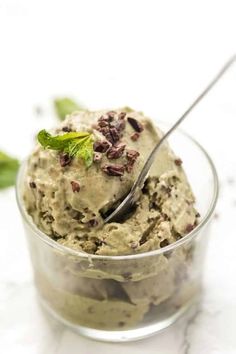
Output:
x=67 y=195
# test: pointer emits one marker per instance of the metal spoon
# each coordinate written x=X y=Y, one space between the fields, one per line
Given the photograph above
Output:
x=134 y=193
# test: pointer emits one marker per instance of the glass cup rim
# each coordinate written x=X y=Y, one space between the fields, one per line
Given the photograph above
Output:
x=61 y=248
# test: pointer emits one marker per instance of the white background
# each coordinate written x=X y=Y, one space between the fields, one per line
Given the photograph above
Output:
x=155 y=56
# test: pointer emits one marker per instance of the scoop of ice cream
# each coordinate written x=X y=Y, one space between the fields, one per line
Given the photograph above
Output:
x=66 y=199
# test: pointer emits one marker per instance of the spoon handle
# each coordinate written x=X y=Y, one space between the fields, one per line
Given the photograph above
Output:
x=143 y=174
x=133 y=195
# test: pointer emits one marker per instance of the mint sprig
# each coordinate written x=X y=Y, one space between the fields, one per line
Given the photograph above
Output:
x=75 y=144
x=64 y=106
x=8 y=170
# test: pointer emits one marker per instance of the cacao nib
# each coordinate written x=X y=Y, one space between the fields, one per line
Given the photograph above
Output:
x=164 y=243
x=111 y=115
x=113 y=170
x=110 y=127
x=116 y=151
x=32 y=185
x=106 y=132
x=75 y=186
x=137 y=126
x=101 y=146
x=66 y=129
x=93 y=222
x=135 y=136
x=64 y=159
x=189 y=228
x=178 y=162
x=122 y=115
x=132 y=155
x=120 y=125
x=102 y=118
x=103 y=123
x=115 y=135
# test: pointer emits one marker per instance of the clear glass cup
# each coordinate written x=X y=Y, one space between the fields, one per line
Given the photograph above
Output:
x=128 y=297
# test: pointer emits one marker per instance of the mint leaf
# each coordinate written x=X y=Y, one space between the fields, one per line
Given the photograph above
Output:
x=8 y=170
x=82 y=149
x=64 y=106
x=58 y=142
x=75 y=144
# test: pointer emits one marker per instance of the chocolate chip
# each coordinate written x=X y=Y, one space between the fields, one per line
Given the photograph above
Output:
x=113 y=170
x=75 y=186
x=135 y=136
x=189 y=228
x=64 y=159
x=178 y=162
x=66 y=129
x=32 y=185
x=116 y=151
x=101 y=146
x=137 y=126
x=197 y=215
x=93 y=222
x=122 y=115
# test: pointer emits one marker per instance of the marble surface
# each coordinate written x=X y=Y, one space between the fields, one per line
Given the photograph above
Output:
x=30 y=77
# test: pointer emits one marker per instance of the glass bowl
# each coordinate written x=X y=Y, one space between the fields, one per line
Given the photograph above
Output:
x=128 y=297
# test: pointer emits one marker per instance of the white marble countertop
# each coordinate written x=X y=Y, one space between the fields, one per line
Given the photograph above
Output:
x=29 y=77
